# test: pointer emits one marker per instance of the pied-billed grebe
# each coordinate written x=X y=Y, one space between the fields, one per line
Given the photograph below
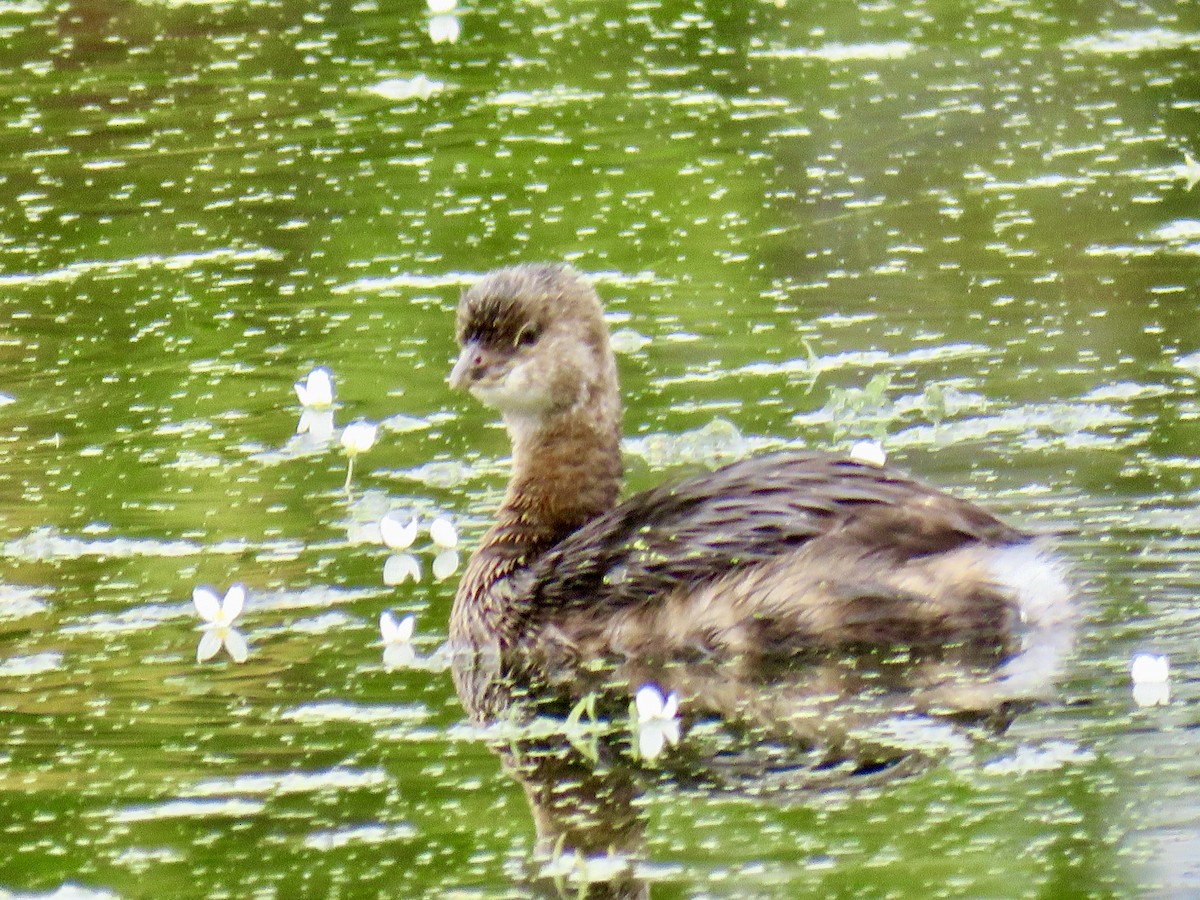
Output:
x=770 y=554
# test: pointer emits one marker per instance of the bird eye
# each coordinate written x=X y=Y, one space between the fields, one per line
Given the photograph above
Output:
x=527 y=335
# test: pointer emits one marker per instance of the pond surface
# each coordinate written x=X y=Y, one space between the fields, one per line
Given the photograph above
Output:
x=974 y=234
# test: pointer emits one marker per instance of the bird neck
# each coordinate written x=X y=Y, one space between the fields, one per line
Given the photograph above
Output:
x=566 y=470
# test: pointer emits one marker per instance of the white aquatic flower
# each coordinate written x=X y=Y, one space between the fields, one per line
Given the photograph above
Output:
x=444 y=29
x=441 y=6
x=398 y=651
x=216 y=637
x=869 y=452
x=218 y=616
x=445 y=563
x=395 y=533
x=443 y=532
x=1151 y=676
x=399 y=567
x=396 y=632
x=1149 y=668
x=626 y=340
x=215 y=611
x=317 y=424
x=419 y=87
x=1189 y=171
x=657 y=721
x=359 y=437
x=316 y=391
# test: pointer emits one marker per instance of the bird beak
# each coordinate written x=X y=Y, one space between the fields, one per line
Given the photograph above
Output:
x=467 y=367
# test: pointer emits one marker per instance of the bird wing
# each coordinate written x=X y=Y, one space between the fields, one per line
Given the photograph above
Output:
x=749 y=513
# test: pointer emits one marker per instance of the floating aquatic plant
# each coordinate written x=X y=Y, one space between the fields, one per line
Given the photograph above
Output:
x=396 y=533
x=657 y=721
x=443 y=533
x=419 y=87
x=317 y=424
x=316 y=390
x=1189 y=171
x=444 y=29
x=218 y=616
x=445 y=564
x=357 y=437
x=400 y=567
x=398 y=651
x=868 y=451
x=866 y=409
x=1151 y=676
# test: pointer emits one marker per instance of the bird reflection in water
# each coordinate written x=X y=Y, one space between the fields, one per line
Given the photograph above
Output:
x=775 y=730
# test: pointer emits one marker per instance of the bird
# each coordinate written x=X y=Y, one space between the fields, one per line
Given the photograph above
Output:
x=773 y=554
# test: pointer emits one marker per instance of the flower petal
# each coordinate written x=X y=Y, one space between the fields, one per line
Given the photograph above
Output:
x=359 y=437
x=670 y=730
x=444 y=533
x=671 y=706
x=1153 y=693
x=1150 y=668
x=869 y=452
x=651 y=741
x=445 y=564
x=404 y=631
x=444 y=29
x=207 y=603
x=649 y=700
x=389 y=629
x=399 y=656
x=235 y=601
x=210 y=644
x=400 y=567
x=319 y=387
x=317 y=423
x=235 y=643
x=396 y=534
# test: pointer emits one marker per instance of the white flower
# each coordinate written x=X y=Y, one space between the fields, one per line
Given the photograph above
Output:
x=443 y=532
x=396 y=535
x=359 y=437
x=399 y=567
x=394 y=632
x=1151 y=675
x=218 y=616
x=398 y=651
x=869 y=452
x=215 y=611
x=316 y=391
x=657 y=721
x=441 y=6
x=445 y=564
x=1149 y=668
x=318 y=424
x=444 y=29
x=216 y=637
x=1188 y=170
x=418 y=87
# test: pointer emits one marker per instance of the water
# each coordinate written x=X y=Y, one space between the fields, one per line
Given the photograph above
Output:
x=973 y=234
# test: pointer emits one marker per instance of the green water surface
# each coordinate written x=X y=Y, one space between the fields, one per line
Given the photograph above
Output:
x=971 y=230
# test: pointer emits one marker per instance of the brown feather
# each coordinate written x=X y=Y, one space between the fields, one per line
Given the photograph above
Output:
x=770 y=554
